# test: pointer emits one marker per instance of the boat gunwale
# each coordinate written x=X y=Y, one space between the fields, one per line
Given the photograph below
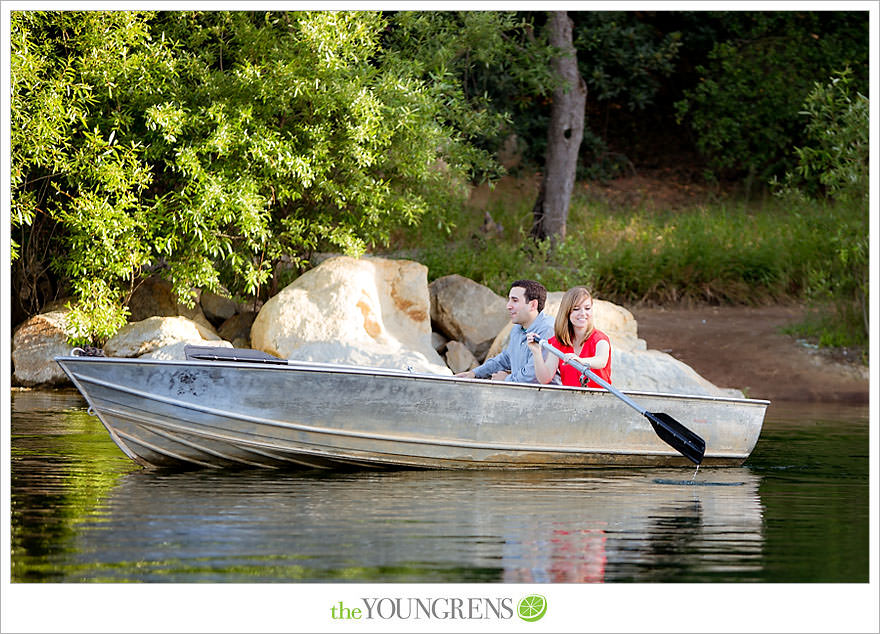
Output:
x=309 y=366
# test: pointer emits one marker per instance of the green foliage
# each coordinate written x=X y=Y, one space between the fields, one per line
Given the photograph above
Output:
x=721 y=254
x=744 y=110
x=309 y=137
x=834 y=160
x=622 y=58
x=833 y=165
x=74 y=158
x=213 y=145
x=485 y=65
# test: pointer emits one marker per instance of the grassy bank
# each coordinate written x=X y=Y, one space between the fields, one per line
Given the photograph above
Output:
x=718 y=252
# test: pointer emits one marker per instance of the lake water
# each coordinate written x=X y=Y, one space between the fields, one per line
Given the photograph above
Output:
x=798 y=511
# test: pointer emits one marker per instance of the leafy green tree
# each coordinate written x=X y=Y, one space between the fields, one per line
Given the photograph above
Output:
x=623 y=57
x=292 y=133
x=212 y=146
x=79 y=180
x=485 y=65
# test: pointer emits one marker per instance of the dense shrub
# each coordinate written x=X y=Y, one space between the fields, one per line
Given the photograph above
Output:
x=211 y=145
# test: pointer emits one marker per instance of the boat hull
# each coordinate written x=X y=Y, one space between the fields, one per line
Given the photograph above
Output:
x=228 y=414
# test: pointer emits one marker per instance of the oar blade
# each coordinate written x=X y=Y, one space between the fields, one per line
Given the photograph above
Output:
x=677 y=436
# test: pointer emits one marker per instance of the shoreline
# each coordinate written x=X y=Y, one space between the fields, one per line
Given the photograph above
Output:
x=744 y=347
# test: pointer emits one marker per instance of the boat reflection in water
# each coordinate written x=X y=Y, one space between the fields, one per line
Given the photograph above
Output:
x=646 y=527
x=428 y=526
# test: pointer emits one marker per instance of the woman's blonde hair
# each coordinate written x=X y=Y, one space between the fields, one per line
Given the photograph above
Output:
x=564 y=331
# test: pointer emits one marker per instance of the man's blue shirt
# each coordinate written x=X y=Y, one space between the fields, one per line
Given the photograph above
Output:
x=516 y=357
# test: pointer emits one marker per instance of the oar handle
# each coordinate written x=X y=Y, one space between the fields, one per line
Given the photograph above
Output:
x=580 y=367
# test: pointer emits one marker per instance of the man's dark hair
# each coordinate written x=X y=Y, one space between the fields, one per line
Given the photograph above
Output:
x=533 y=290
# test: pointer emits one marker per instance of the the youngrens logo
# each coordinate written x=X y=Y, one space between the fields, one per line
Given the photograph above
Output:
x=530 y=608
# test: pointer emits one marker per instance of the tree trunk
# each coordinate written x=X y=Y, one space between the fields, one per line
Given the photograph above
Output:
x=564 y=135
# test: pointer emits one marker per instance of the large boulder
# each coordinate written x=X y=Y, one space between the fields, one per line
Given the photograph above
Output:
x=35 y=344
x=467 y=312
x=152 y=296
x=149 y=335
x=372 y=312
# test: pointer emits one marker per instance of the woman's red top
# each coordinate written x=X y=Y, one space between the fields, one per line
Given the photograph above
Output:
x=569 y=375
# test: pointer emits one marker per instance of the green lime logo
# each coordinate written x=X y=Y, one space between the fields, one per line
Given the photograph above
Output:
x=532 y=608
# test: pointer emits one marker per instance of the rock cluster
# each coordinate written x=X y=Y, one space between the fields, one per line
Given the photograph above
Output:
x=368 y=311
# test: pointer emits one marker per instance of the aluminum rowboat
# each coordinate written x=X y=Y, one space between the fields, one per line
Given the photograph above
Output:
x=313 y=415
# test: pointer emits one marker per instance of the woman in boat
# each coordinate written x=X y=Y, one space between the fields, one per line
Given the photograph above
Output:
x=577 y=337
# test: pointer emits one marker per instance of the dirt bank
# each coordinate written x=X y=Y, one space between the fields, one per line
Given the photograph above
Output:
x=743 y=347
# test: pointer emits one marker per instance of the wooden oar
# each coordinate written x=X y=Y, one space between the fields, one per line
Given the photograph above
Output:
x=670 y=431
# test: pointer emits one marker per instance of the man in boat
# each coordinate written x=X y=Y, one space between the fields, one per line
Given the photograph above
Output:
x=525 y=303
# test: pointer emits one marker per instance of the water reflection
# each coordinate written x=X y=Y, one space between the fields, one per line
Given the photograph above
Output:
x=61 y=470
x=637 y=527
x=418 y=526
x=82 y=511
